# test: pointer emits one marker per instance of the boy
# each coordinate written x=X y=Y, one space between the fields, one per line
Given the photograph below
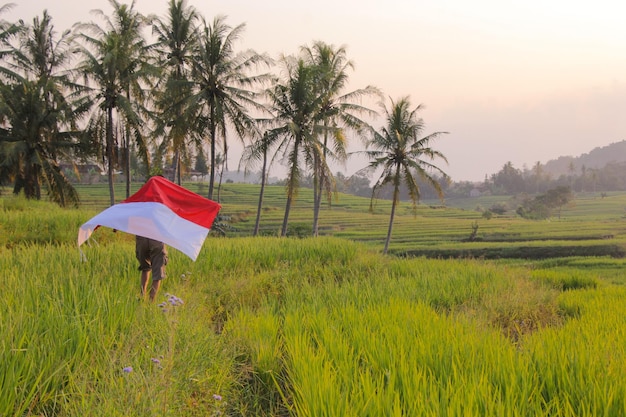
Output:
x=152 y=257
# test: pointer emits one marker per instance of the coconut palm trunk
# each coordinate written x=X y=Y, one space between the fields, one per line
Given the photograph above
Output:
x=283 y=230
x=109 y=152
x=292 y=185
x=317 y=196
x=213 y=129
x=127 y=162
x=319 y=187
x=127 y=148
x=394 y=203
x=260 y=205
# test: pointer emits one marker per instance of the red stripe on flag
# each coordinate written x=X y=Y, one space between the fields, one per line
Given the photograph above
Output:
x=184 y=203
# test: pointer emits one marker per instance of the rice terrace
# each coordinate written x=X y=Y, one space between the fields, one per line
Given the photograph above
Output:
x=527 y=318
x=298 y=290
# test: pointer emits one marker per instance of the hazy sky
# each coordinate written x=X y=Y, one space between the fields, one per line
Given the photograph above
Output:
x=520 y=81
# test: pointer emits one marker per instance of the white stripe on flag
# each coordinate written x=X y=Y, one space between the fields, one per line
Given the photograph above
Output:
x=153 y=220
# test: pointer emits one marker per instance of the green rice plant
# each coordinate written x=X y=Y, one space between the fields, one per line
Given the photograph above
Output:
x=523 y=306
x=399 y=358
x=325 y=326
x=259 y=348
x=566 y=279
x=44 y=223
x=45 y=324
x=16 y=203
x=373 y=345
x=581 y=364
x=77 y=340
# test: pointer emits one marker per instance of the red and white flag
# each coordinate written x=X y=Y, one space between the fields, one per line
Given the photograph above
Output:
x=163 y=211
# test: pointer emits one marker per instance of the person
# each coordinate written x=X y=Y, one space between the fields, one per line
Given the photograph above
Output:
x=152 y=257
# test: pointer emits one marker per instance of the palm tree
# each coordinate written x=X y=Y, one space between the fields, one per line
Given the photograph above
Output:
x=256 y=152
x=112 y=67
x=37 y=110
x=7 y=29
x=177 y=40
x=295 y=104
x=136 y=72
x=339 y=112
x=403 y=156
x=221 y=87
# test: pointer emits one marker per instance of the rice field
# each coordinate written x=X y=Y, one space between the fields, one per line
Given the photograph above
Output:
x=302 y=327
x=590 y=222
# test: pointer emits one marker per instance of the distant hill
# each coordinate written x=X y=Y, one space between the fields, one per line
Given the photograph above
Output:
x=596 y=159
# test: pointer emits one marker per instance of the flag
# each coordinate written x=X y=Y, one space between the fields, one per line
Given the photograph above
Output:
x=163 y=211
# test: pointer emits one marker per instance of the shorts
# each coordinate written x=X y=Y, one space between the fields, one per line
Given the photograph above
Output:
x=152 y=255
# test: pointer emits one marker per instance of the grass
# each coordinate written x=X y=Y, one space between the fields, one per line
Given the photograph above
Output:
x=71 y=328
x=593 y=226
x=308 y=327
x=281 y=326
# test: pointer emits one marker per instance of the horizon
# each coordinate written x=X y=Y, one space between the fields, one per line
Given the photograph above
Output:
x=520 y=82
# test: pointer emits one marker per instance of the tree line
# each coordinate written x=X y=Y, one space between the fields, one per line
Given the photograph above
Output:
x=162 y=88
x=510 y=180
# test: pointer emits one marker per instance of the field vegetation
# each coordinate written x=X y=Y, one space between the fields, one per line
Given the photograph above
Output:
x=590 y=225
x=322 y=326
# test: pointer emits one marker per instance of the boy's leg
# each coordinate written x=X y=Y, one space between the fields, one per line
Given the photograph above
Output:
x=145 y=275
x=154 y=290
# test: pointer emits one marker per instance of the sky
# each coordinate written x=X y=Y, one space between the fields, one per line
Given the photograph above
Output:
x=522 y=81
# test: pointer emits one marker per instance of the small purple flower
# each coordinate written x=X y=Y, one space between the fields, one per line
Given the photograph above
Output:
x=155 y=360
x=175 y=301
x=217 y=397
x=128 y=369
